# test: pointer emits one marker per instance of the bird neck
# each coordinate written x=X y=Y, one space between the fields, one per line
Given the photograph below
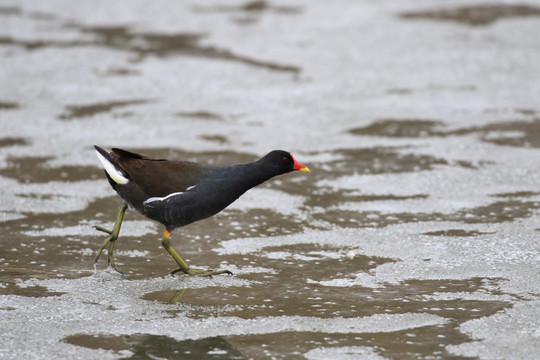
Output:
x=250 y=175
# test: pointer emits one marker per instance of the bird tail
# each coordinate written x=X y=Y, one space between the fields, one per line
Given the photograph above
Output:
x=113 y=171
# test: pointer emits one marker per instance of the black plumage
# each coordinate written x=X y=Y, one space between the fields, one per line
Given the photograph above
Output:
x=177 y=193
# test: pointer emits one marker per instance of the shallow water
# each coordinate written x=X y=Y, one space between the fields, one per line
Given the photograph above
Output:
x=414 y=236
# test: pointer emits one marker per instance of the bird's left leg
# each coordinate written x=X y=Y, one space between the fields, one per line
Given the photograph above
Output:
x=183 y=267
x=111 y=239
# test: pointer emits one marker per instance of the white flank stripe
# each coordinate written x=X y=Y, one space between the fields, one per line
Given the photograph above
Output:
x=161 y=198
x=111 y=170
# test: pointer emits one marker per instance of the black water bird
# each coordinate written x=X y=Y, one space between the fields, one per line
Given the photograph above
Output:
x=177 y=193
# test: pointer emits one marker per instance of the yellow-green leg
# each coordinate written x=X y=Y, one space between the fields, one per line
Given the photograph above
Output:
x=111 y=239
x=177 y=296
x=183 y=267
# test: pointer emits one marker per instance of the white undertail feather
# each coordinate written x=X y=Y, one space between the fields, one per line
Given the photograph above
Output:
x=161 y=198
x=111 y=170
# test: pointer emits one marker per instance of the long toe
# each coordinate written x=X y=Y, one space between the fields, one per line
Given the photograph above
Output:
x=201 y=272
x=117 y=269
x=112 y=264
x=100 y=228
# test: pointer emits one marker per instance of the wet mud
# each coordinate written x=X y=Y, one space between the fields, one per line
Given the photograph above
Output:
x=85 y=111
x=510 y=133
x=139 y=44
x=249 y=13
x=477 y=15
x=414 y=236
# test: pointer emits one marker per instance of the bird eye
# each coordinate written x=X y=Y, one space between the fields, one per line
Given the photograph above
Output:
x=285 y=159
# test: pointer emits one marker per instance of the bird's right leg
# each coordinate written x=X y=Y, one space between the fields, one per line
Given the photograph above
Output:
x=111 y=239
x=183 y=267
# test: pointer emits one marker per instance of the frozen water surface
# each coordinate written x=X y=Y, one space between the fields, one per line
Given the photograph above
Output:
x=414 y=236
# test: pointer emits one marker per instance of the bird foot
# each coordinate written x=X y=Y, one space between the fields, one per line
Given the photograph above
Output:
x=109 y=241
x=100 y=228
x=115 y=268
x=201 y=272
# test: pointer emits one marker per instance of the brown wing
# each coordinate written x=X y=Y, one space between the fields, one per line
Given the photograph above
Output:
x=157 y=177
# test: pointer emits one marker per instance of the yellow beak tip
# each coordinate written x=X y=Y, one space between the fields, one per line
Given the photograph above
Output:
x=305 y=169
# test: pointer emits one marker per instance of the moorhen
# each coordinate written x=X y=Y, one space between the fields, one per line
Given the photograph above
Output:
x=177 y=193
